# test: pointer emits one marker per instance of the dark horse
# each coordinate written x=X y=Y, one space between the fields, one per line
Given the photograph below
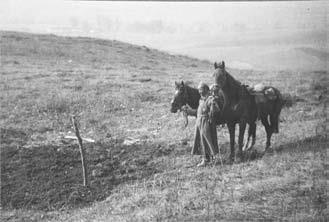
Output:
x=239 y=107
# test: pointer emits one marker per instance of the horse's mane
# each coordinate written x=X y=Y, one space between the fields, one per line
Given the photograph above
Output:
x=232 y=88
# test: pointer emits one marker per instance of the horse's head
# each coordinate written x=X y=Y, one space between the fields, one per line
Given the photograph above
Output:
x=220 y=74
x=180 y=98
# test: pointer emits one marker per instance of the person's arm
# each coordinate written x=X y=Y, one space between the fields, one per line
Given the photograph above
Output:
x=213 y=109
x=214 y=106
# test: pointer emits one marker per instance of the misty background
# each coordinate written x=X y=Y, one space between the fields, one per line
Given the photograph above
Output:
x=247 y=35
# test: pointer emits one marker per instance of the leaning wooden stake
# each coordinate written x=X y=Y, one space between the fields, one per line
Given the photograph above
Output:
x=82 y=152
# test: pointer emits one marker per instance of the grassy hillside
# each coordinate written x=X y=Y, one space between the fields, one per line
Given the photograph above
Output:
x=140 y=167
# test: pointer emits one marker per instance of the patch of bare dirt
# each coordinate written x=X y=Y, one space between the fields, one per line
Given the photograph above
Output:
x=50 y=177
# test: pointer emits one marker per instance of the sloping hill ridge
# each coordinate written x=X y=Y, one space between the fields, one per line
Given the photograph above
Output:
x=140 y=168
x=86 y=51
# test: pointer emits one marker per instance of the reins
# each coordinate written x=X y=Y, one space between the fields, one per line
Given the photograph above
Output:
x=183 y=108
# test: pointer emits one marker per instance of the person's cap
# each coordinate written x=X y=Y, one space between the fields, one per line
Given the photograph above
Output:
x=214 y=86
x=203 y=85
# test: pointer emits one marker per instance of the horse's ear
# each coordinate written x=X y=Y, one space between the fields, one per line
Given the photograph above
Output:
x=223 y=65
x=182 y=83
x=176 y=83
x=215 y=65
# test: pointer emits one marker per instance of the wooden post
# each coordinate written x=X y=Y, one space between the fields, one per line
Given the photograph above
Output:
x=82 y=152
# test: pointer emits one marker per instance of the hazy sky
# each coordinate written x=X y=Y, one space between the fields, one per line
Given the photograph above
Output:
x=42 y=14
x=181 y=27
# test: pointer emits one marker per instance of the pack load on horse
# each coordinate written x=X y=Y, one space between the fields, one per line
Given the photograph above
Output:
x=263 y=93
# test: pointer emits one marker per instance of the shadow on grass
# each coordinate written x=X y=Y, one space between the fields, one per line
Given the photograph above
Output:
x=317 y=143
x=313 y=143
x=50 y=177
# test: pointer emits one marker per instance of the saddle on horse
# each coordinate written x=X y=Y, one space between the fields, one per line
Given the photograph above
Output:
x=262 y=93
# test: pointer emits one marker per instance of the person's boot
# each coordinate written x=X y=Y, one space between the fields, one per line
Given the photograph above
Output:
x=203 y=163
x=212 y=160
x=239 y=157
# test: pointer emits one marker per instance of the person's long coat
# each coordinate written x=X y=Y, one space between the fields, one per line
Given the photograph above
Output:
x=205 y=140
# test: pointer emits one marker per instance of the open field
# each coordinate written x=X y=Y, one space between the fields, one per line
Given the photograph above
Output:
x=122 y=92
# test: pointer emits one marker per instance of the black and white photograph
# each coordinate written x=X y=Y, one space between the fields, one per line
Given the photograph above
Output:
x=131 y=111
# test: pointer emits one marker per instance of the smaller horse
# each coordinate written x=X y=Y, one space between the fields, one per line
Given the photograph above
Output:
x=184 y=95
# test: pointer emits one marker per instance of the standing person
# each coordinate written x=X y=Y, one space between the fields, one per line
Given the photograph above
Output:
x=205 y=140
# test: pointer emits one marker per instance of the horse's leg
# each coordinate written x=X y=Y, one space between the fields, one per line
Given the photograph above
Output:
x=255 y=111
x=242 y=128
x=274 y=123
x=231 y=129
x=252 y=132
x=268 y=130
x=245 y=147
x=274 y=118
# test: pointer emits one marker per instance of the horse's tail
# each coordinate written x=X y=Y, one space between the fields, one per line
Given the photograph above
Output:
x=283 y=100
x=279 y=103
x=287 y=100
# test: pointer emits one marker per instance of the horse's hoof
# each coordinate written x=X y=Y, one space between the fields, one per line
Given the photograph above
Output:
x=245 y=147
x=253 y=154
x=250 y=146
x=269 y=150
x=203 y=163
x=239 y=158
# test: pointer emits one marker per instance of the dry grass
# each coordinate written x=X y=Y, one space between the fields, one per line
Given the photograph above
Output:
x=120 y=91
